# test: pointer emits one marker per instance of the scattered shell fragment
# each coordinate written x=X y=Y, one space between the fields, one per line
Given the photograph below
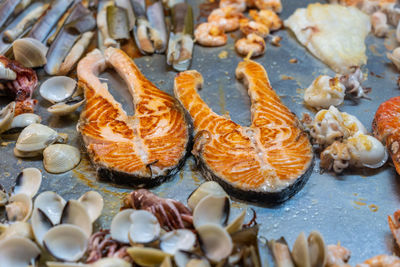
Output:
x=30 y=52
x=51 y=204
x=211 y=209
x=6 y=116
x=75 y=213
x=181 y=239
x=66 y=242
x=28 y=182
x=93 y=202
x=59 y=158
x=205 y=189
x=57 y=89
x=19 y=208
x=18 y=251
x=215 y=242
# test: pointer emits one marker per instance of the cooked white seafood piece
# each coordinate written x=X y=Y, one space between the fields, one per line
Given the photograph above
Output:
x=181 y=239
x=352 y=82
x=51 y=204
x=19 y=208
x=337 y=256
x=41 y=224
x=144 y=227
x=6 y=117
x=379 y=24
x=205 y=189
x=57 y=89
x=324 y=92
x=30 y=52
x=28 y=182
x=147 y=257
x=67 y=107
x=93 y=202
x=37 y=10
x=60 y=158
x=66 y=242
x=18 y=251
x=309 y=251
x=6 y=73
x=324 y=30
x=215 y=241
x=120 y=225
x=211 y=209
x=37 y=137
x=75 y=213
x=188 y=259
x=22 y=229
x=395 y=57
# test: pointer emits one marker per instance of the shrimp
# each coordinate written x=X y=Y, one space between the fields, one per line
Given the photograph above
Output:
x=210 y=34
x=226 y=17
x=267 y=17
x=237 y=5
x=253 y=44
x=381 y=261
x=249 y=26
x=385 y=128
x=274 y=5
x=394 y=225
x=337 y=256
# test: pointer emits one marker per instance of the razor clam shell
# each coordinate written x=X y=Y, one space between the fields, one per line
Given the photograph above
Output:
x=155 y=15
x=22 y=6
x=117 y=22
x=44 y=26
x=128 y=7
x=66 y=39
x=6 y=10
x=104 y=39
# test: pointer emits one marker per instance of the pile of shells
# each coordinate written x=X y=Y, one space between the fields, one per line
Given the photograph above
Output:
x=11 y=125
x=63 y=93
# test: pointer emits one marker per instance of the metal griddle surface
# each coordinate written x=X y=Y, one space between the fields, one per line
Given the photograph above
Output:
x=351 y=208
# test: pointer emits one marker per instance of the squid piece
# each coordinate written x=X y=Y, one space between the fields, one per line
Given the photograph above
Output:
x=324 y=92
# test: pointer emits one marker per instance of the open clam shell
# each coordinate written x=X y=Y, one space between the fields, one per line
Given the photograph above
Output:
x=188 y=259
x=212 y=209
x=147 y=257
x=280 y=251
x=21 y=121
x=111 y=262
x=309 y=252
x=93 y=203
x=30 y=52
x=28 y=182
x=41 y=224
x=19 y=208
x=57 y=89
x=59 y=158
x=205 y=189
x=120 y=225
x=215 y=241
x=51 y=204
x=75 y=213
x=17 y=251
x=237 y=223
x=66 y=107
x=22 y=229
x=66 y=242
x=6 y=116
x=144 y=227
x=181 y=239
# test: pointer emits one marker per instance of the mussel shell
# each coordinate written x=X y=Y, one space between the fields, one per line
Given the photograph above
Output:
x=58 y=89
x=17 y=251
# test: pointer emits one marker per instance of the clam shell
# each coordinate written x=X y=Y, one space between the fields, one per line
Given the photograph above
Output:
x=75 y=213
x=51 y=204
x=66 y=242
x=19 y=208
x=57 y=89
x=30 y=52
x=111 y=262
x=65 y=108
x=41 y=224
x=211 y=209
x=181 y=239
x=66 y=264
x=237 y=223
x=93 y=203
x=120 y=225
x=147 y=257
x=22 y=229
x=6 y=117
x=144 y=227
x=32 y=154
x=317 y=249
x=215 y=242
x=189 y=259
x=205 y=189
x=3 y=196
x=28 y=182
x=60 y=158
x=24 y=120
x=300 y=250
x=17 y=251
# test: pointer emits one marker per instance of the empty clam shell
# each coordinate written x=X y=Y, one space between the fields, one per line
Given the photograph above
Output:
x=144 y=227
x=19 y=208
x=22 y=229
x=65 y=108
x=75 y=213
x=280 y=251
x=30 y=52
x=57 y=89
x=211 y=209
x=6 y=116
x=189 y=259
x=205 y=189
x=147 y=257
x=66 y=242
x=120 y=225
x=176 y=240
x=111 y=262
x=215 y=241
x=93 y=203
x=37 y=137
x=309 y=252
x=41 y=224
x=28 y=182
x=237 y=223
x=60 y=158
x=23 y=120
x=51 y=204
x=32 y=154
x=17 y=251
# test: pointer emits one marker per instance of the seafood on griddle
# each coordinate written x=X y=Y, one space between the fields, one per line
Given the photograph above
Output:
x=266 y=162
x=210 y=34
x=141 y=150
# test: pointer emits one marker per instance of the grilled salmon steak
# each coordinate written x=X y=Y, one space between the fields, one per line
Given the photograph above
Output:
x=141 y=150
x=266 y=162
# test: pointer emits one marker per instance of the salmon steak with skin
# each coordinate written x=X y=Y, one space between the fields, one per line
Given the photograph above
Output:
x=141 y=150
x=267 y=162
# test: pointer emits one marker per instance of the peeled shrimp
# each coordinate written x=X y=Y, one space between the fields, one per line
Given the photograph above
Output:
x=274 y=5
x=225 y=17
x=210 y=34
x=267 y=17
x=385 y=127
x=381 y=261
x=338 y=256
x=253 y=44
x=394 y=225
x=237 y=5
x=249 y=26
